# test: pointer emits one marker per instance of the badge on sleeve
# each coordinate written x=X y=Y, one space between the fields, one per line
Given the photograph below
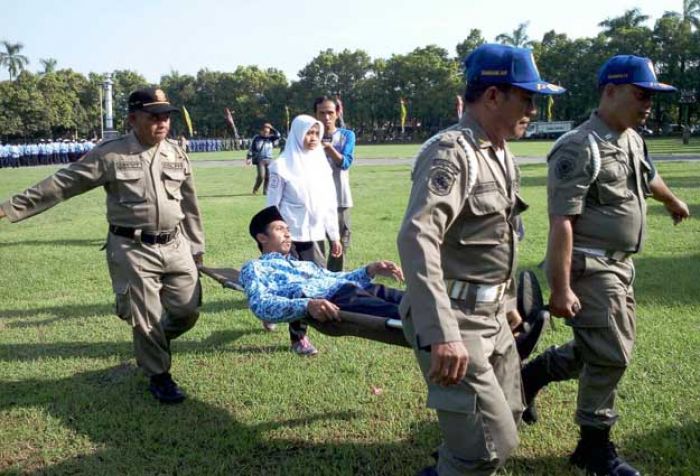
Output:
x=564 y=167
x=442 y=177
x=274 y=181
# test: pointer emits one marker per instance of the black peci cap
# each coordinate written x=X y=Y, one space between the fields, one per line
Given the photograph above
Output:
x=152 y=100
x=264 y=217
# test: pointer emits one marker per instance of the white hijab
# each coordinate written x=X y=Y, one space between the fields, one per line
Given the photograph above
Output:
x=309 y=169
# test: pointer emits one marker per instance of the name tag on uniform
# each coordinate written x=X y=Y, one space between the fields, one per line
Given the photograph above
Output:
x=173 y=165
x=128 y=164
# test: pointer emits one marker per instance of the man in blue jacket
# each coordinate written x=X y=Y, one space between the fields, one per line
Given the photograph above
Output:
x=339 y=146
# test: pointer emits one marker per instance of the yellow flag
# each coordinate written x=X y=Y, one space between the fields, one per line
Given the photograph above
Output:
x=188 y=121
x=286 y=117
x=402 y=102
x=550 y=105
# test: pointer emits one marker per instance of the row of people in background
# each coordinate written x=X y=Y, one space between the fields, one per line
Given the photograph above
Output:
x=44 y=152
x=213 y=145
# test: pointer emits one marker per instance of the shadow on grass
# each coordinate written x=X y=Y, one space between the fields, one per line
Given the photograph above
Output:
x=94 y=243
x=85 y=311
x=668 y=280
x=671 y=450
x=215 y=341
x=133 y=434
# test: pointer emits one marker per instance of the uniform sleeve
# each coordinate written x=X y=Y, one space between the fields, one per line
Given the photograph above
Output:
x=79 y=177
x=358 y=276
x=439 y=190
x=265 y=304
x=275 y=189
x=192 y=223
x=348 y=150
x=331 y=214
x=568 y=178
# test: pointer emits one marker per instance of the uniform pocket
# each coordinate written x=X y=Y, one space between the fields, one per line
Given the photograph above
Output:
x=172 y=182
x=131 y=185
x=455 y=398
x=122 y=302
x=611 y=183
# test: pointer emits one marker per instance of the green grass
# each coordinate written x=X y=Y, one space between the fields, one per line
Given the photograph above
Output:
x=72 y=401
x=523 y=148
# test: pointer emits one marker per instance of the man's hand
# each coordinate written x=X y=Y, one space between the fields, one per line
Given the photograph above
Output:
x=2 y=213
x=678 y=210
x=448 y=363
x=336 y=249
x=564 y=303
x=248 y=161
x=198 y=260
x=388 y=269
x=323 y=310
x=514 y=320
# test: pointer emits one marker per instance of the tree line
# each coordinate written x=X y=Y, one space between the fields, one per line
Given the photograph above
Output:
x=60 y=102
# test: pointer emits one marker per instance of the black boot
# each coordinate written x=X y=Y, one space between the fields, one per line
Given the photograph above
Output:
x=164 y=388
x=535 y=378
x=596 y=454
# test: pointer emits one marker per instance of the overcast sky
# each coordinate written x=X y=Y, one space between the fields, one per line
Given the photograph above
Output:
x=154 y=37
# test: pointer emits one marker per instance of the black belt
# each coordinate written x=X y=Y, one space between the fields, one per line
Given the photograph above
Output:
x=148 y=238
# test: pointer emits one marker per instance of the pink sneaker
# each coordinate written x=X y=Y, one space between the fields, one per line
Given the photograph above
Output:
x=304 y=347
x=269 y=326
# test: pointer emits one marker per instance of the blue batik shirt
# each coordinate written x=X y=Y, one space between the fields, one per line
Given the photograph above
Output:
x=280 y=287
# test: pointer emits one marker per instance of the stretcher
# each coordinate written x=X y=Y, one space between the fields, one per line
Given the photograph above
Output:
x=390 y=331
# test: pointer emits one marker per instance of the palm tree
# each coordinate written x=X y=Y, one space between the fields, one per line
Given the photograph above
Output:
x=12 y=60
x=49 y=65
x=629 y=20
x=518 y=38
x=691 y=12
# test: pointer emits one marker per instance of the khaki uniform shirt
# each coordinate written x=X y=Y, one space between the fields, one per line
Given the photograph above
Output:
x=151 y=189
x=603 y=184
x=458 y=225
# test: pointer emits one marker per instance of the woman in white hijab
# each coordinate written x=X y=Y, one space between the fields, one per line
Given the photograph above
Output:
x=302 y=188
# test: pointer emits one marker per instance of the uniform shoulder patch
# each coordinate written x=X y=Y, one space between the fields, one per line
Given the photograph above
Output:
x=443 y=175
x=274 y=181
x=564 y=166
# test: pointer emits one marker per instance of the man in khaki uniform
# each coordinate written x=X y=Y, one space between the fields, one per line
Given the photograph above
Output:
x=458 y=248
x=154 y=230
x=599 y=176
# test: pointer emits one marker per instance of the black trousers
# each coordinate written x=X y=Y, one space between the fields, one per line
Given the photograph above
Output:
x=315 y=252
x=377 y=300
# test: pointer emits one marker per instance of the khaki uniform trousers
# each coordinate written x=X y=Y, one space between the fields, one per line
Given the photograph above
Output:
x=604 y=334
x=478 y=416
x=157 y=291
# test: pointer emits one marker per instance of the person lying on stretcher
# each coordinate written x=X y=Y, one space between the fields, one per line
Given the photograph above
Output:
x=282 y=289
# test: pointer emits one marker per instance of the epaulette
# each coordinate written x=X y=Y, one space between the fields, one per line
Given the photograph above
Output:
x=114 y=140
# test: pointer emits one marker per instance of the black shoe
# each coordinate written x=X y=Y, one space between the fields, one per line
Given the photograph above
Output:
x=164 y=388
x=597 y=456
x=428 y=471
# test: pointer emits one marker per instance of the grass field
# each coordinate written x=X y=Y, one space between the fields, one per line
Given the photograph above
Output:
x=523 y=148
x=73 y=402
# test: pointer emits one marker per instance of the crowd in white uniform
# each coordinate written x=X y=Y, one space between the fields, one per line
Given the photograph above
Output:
x=44 y=152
